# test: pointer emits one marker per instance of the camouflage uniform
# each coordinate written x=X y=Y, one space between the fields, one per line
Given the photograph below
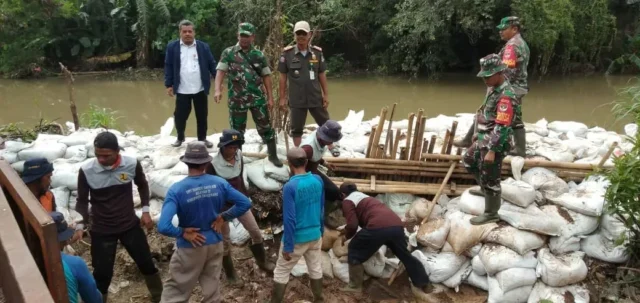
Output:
x=515 y=54
x=245 y=71
x=494 y=122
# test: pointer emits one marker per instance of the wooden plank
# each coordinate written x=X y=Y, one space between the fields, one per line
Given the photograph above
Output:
x=19 y=275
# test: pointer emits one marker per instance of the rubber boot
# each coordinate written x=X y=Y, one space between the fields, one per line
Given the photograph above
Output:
x=277 y=294
x=316 y=289
x=154 y=284
x=520 y=138
x=261 y=257
x=466 y=141
x=230 y=271
x=491 y=207
x=273 y=153
x=104 y=297
x=356 y=277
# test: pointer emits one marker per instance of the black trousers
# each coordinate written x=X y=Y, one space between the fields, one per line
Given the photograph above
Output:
x=299 y=117
x=103 y=254
x=367 y=242
x=331 y=194
x=183 y=110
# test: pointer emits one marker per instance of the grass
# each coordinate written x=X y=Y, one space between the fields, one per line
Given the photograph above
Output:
x=97 y=117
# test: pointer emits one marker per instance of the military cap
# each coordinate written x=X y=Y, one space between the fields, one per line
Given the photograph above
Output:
x=490 y=65
x=508 y=21
x=246 y=28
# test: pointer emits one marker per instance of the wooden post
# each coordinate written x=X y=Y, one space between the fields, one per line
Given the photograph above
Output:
x=607 y=155
x=394 y=149
x=389 y=141
x=72 y=102
x=370 y=143
x=408 y=139
x=452 y=135
x=379 y=127
x=414 y=140
x=437 y=196
x=416 y=155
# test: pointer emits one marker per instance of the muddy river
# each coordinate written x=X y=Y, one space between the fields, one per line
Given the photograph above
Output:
x=143 y=106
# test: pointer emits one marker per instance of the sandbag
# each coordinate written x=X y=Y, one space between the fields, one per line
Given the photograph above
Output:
x=49 y=150
x=62 y=196
x=434 y=233
x=542 y=292
x=78 y=138
x=17 y=166
x=440 y=267
x=340 y=270
x=77 y=153
x=161 y=180
x=612 y=228
x=398 y=203
x=518 y=192
x=457 y=278
x=631 y=129
x=10 y=157
x=256 y=174
x=300 y=269
x=327 y=268
x=517 y=163
x=237 y=233
x=418 y=210
x=473 y=251
x=562 y=245
x=497 y=295
x=599 y=247
x=180 y=168
x=583 y=201
x=471 y=204
x=478 y=267
x=351 y=123
x=556 y=153
x=280 y=174
x=64 y=176
x=545 y=181
x=577 y=128
x=577 y=223
x=16 y=146
x=376 y=264
x=512 y=278
x=165 y=159
x=463 y=235
x=477 y=281
x=340 y=248
x=521 y=241
x=328 y=238
x=531 y=218
x=558 y=271
x=497 y=258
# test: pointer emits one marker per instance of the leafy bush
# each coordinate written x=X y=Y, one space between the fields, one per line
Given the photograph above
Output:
x=335 y=64
x=100 y=117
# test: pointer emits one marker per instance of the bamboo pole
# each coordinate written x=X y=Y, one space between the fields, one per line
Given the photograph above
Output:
x=445 y=142
x=437 y=196
x=394 y=150
x=389 y=139
x=370 y=143
x=432 y=144
x=528 y=163
x=458 y=168
x=379 y=127
x=284 y=130
x=452 y=135
x=396 y=273
x=418 y=189
x=416 y=130
x=408 y=139
x=371 y=171
x=72 y=102
x=416 y=155
x=608 y=154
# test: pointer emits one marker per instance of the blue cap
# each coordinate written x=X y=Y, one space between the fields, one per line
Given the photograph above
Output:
x=64 y=232
x=231 y=136
x=35 y=169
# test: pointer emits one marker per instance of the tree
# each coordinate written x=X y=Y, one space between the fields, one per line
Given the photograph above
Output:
x=150 y=13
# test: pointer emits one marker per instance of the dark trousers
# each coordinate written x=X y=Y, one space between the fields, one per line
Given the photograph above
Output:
x=183 y=110
x=367 y=242
x=331 y=194
x=103 y=254
x=299 y=117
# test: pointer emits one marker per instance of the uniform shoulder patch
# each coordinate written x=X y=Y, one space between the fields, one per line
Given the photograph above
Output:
x=504 y=111
x=290 y=47
x=316 y=47
x=509 y=57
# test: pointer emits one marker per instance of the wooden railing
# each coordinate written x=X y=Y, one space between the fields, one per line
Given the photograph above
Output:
x=30 y=253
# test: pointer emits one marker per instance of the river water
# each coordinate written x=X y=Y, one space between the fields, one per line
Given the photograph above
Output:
x=143 y=106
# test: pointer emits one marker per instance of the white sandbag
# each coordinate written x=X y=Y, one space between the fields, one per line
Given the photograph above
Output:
x=17 y=166
x=556 y=153
x=238 y=234
x=418 y=210
x=631 y=129
x=62 y=196
x=463 y=235
x=542 y=293
x=478 y=267
x=280 y=174
x=77 y=153
x=562 y=245
x=517 y=163
x=542 y=127
x=16 y=146
x=599 y=247
x=545 y=181
x=10 y=157
x=340 y=270
x=471 y=204
x=518 y=192
x=352 y=122
x=473 y=251
x=577 y=223
x=583 y=201
x=440 y=267
x=162 y=160
x=398 y=203
x=457 y=278
x=78 y=138
x=612 y=228
x=434 y=233
x=558 y=271
x=300 y=269
x=577 y=128
x=327 y=268
x=497 y=258
x=497 y=295
x=133 y=153
x=477 y=281
x=49 y=150
x=161 y=180
x=64 y=177
x=256 y=174
x=512 y=278
x=180 y=168
x=531 y=218
x=376 y=264
x=521 y=241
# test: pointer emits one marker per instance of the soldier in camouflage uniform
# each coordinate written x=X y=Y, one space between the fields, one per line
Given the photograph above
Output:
x=248 y=71
x=515 y=55
x=494 y=121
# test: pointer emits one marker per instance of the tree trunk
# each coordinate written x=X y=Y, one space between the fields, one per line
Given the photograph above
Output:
x=142 y=52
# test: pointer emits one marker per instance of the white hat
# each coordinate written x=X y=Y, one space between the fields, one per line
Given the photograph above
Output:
x=302 y=26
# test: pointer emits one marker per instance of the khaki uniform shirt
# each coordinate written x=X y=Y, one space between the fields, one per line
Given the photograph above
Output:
x=303 y=74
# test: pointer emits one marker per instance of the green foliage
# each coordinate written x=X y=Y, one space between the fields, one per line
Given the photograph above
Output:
x=14 y=131
x=623 y=195
x=100 y=117
x=335 y=64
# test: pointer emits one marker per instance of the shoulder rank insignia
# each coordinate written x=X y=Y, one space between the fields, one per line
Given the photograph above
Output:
x=318 y=48
x=287 y=48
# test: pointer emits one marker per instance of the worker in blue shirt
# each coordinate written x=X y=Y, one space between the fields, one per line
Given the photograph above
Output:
x=198 y=201
x=76 y=273
x=303 y=209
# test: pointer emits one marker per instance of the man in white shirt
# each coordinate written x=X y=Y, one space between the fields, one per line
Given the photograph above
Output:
x=188 y=69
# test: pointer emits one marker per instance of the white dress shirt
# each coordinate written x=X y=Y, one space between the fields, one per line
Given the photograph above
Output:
x=190 y=81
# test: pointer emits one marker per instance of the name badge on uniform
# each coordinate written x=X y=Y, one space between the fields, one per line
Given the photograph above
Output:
x=312 y=75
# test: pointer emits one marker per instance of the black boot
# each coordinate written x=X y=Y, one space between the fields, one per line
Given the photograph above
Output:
x=520 y=138
x=154 y=284
x=491 y=207
x=261 y=257
x=466 y=141
x=104 y=297
x=356 y=277
x=230 y=271
x=277 y=294
x=316 y=289
x=273 y=153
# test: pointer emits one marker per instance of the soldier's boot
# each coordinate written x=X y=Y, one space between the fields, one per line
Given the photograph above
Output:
x=277 y=294
x=491 y=207
x=154 y=284
x=316 y=289
x=105 y=297
x=520 y=136
x=261 y=257
x=466 y=141
x=273 y=153
x=230 y=271
x=476 y=191
x=356 y=277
